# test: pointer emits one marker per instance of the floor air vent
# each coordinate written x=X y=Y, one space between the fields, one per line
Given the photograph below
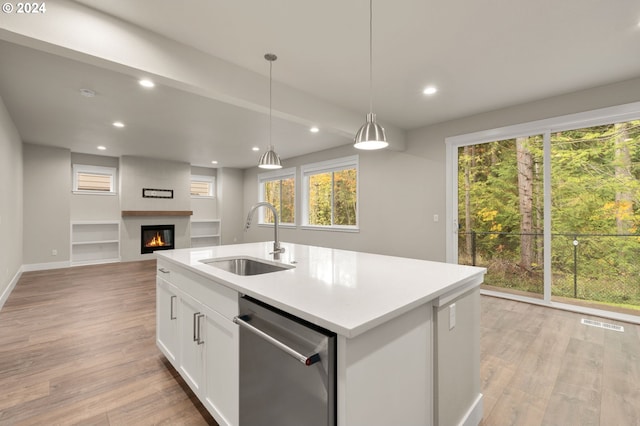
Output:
x=599 y=324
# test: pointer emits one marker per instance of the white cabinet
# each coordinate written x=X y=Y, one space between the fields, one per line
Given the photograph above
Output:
x=202 y=343
x=95 y=242
x=191 y=360
x=385 y=374
x=222 y=367
x=167 y=318
x=205 y=233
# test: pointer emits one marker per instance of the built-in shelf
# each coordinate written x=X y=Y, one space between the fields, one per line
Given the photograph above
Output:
x=128 y=213
x=95 y=242
x=205 y=233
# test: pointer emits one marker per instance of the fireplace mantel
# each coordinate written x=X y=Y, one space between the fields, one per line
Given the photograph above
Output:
x=148 y=213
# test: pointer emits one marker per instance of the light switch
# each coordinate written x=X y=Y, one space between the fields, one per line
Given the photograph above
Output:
x=452 y=316
x=436 y=218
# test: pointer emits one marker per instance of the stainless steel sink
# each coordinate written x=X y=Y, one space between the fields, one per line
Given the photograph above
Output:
x=246 y=265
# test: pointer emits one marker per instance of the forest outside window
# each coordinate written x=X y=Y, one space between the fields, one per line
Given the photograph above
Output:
x=278 y=188
x=331 y=194
x=94 y=179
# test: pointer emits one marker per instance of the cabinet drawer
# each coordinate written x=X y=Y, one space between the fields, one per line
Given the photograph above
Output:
x=216 y=296
x=166 y=271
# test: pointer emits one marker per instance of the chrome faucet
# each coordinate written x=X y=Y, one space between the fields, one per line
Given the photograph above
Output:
x=276 y=222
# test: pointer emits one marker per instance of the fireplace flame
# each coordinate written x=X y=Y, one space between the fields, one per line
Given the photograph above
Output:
x=156 y=241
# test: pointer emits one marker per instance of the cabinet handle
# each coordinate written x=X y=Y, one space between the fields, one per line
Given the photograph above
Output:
x=164 y=271
x=171 y=304
x=195 y=322
x=243 y=321
x=199 y=340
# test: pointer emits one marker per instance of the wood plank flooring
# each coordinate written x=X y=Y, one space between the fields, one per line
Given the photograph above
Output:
x=77 y=346
x=541 y=366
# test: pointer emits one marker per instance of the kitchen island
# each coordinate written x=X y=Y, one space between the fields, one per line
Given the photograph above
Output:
x=399 y=324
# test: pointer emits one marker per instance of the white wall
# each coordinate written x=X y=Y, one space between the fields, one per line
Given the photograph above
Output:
x=230 y=199
x=400 y=192
x=11 y=183
x=141 y=172
x=47 y=200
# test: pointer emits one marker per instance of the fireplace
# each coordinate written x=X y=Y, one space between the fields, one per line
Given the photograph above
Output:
x=156 y=237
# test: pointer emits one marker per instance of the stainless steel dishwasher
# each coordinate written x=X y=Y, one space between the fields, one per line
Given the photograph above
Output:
x=287 y=368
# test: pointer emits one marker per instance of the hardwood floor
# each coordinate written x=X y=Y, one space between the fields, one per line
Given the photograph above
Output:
x=541 y=366
x=77 y=346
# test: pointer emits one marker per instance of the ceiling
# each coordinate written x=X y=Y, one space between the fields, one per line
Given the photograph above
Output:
x=481 y=55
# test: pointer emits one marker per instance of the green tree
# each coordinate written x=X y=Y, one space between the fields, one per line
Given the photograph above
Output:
x=333 y=198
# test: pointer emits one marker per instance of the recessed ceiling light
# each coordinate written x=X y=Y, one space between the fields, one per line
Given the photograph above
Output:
x=102 y=148
x=147 y=83
x=314 y=129
x=119 y=124
x=430 y=90
x=87 y=93
x=255 y=148
x=214 y=162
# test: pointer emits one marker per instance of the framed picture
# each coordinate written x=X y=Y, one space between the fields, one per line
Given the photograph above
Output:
x=157 y=193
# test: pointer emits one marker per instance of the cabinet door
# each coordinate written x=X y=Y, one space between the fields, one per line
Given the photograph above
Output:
x=221 y=368
x=191 y=360
x=166 y=319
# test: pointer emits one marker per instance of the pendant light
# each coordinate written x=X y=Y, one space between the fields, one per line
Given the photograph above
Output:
x=371 y=134
x=270 y=160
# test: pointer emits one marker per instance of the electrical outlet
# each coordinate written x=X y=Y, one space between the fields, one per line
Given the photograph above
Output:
x=436 y=218
x=452 y=316
x=54 y=252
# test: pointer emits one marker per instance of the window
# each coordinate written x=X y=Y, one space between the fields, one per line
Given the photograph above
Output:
x=94 y=179
x=331 y=194
x=202 y=186
x=278 y=188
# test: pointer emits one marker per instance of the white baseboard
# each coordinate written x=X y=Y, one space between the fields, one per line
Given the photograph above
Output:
x=7 y=291
x=473 y=417
x=45 y=266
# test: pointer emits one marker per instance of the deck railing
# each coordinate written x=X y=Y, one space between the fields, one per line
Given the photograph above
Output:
x=599 y=267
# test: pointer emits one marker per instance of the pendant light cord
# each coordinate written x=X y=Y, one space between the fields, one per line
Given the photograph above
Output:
x=270 y=84
x=371 y=56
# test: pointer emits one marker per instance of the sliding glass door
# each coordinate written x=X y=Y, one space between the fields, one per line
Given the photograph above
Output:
x=500 y=212
x=595 y=214
x=553 y=213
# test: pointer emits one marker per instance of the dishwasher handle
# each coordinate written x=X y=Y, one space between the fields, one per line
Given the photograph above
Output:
x=243 y=321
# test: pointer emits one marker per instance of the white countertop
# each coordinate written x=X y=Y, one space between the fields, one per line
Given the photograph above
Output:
x=344 y=291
